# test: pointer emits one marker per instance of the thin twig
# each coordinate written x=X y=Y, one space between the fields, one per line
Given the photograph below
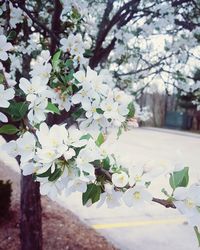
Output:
x=29 y=126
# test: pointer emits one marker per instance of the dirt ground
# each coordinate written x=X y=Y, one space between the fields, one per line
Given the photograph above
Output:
x=61 y=228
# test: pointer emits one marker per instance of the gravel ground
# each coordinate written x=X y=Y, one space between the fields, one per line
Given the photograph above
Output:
x=61 y=228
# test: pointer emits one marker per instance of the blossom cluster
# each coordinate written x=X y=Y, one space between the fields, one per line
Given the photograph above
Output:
x=37 y=90
x=5 y=94
x=75 y=46
x=67 y=160
x=103 y=106
x=100 y=106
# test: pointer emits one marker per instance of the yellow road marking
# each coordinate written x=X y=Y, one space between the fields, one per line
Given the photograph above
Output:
x=177 y=220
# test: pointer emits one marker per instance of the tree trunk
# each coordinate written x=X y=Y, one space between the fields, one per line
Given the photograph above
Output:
x=30 y=210
x=31 y=215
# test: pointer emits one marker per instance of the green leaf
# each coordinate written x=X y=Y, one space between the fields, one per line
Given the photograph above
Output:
x=70 y=76
x=68 y=91
x=99 y=111
x=8 y=129
x=56 y=174
x=78 y=113
x=179 y=178
x=86 y=137
x=45 y=174
x=56 y=56
x=119 y=132
x=17 y=110
x=52 y=107
x=93 y=192
x=197 y=234
x=131 y=109
x=56 y=60
x=100 y=140
x=1 y=78
x=68 y=63
x=12 y=35
x=75 y=14
x=88 y=53
x=106 y=163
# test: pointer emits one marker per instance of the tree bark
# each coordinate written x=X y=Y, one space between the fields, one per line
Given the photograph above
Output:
x=55 y=26
x=30 y=202
x=31 y=215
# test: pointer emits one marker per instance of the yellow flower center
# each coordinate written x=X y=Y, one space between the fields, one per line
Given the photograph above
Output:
x=54 y=142
x=189 y=203
x=138 y=178
x=121 y=178
x=45 y=74
x=27 y=147
x=118 y=97
x=137 y=196
x=50 y=154
x=109 y=197
x=93 y=110
x=83 y=93
x=31 y=90
x=109 y=107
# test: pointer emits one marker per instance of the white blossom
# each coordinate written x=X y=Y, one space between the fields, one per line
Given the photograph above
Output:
x=32 y=88
x=136 y=196
x=187 y=201
x=37 y=110
x=4 y=47
x=16 y=16
x=5 y=96
x=120 y=179
x=77 y=185
x=111 y=197
x=26 y=146
x=42 y=71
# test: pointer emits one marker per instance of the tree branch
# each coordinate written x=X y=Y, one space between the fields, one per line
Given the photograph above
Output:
x=100 y=171
x=165 y=203
x=121 y=18
x=187 y=25
x=180 y=2
x=139 y=70
x=105 y=19
x=35 y=20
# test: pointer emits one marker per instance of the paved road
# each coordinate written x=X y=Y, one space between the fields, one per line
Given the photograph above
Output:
x=153 y=227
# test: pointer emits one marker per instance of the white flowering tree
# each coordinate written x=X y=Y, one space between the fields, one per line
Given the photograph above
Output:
x=66 y=72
